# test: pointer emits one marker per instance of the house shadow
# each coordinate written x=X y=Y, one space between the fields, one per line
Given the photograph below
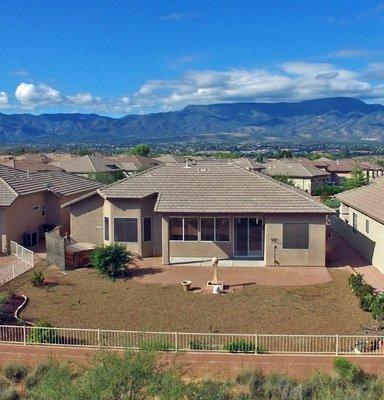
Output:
x=137 y=272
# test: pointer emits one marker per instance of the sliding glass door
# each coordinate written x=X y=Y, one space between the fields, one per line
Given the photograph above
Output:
x=249 y=237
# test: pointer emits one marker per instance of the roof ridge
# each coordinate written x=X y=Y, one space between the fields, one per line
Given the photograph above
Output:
x=9 y=186
x=92 y=164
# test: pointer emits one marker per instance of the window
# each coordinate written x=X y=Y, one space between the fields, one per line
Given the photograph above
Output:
x=295 y=235
x=36 y=208
x=106 y=228
x=176 y=229
x=191 y=229
x=354 y=223
x=147 y=229
x=222 y=230
x=207 y=229
x=367 y=226
x=125 y=229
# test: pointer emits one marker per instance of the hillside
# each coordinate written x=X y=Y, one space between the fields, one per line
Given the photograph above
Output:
x=327 y=119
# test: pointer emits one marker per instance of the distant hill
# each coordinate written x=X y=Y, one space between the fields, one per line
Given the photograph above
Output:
x=337 y=118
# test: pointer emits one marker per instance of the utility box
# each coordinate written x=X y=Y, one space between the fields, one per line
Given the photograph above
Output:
x=78 y=255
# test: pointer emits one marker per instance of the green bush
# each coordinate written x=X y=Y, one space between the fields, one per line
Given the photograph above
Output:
x=243 y=346
x=377 y=307
x=332 y=203
x=9 y=394
x=201 y=345
x=346 y=370
x=356 y=282
x=111 y=260
x=4 y=382
x=15 y=372
x=328 y=190
x=157 y=345
x=42 y=334
x=37 y=375
x=37 y=279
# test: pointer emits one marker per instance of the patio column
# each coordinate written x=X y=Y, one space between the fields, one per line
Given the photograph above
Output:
x=165 y=239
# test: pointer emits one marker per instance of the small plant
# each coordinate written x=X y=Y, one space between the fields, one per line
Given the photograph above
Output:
x=15 y=372
x=346 y=370
x=111 y=260
x=199 y=345
x=9 y=394
x=37 y=279
x=243 y=346
x=356 y=282
x=157 y=345
x=42 y=333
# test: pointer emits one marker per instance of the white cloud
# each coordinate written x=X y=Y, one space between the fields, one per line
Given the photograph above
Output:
x=83 y=99
x=31 y=95
x=354 y=53
x=176 y=16
x=4 y=100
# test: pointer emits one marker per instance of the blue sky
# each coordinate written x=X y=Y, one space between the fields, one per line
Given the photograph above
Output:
x=117 y=57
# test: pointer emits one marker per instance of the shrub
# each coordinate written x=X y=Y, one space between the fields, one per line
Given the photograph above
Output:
x=356 y=282
x=346 y=370
x=243 y=346
x=278 y=386
x=37 y=375
x=366 y=301
x=111 y=260
x=199 y=345
x=15 y=372
x=332 y=203
x=4 y=382
x=37 y=279
x=9 y=394
x=157 y=345
x=377 y=307
x=42 y=334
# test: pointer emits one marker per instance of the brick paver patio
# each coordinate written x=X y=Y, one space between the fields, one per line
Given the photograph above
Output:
x=150 y=270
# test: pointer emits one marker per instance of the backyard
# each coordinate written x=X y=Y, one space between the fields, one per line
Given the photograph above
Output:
x=84 y=299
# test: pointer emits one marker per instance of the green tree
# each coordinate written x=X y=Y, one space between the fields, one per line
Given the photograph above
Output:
x=259 y=158
x=112 y=259
x=284 y=154
x=141 y=150
x=380 y=163
x=84 y=152
x=107 y=178
x=357 y=179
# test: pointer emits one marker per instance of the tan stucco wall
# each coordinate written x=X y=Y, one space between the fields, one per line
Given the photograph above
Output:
x=370 y=245
x=314 y=256
x=87 y=220
x=309 y=185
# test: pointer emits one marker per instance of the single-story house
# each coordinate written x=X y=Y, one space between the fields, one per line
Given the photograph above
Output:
x=31 y=201
x=89 y=165
x=29 y=164
x=247 y=163
x=171 y=159
x=302 y=176
x=135 y=163
x=205 y=209
x=361 y=220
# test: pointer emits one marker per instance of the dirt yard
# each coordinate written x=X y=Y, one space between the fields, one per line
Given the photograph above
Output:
x=84 y=299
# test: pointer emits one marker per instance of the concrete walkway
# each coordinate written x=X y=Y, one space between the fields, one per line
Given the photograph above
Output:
x=150 y=270
x=346 y=257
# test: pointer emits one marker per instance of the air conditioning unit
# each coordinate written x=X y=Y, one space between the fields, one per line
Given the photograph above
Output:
x=30 y=239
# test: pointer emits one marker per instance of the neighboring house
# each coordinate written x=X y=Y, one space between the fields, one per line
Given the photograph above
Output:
x=247 y=164
x=30 y=201
x=134 y=163
x=361 y=220
x=29 y=165
x=304 y=177
x=171 y=159
x=88 y=165
x=205 y=209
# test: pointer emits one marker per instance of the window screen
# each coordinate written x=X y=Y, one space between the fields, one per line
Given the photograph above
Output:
x=147 y=229
x=207 y=229
x=106 y=228
x=191 y=229
x=125 y=229
x=176 y=228
x=295 y=235
x=222 y=230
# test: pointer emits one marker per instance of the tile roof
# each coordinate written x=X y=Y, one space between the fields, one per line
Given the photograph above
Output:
x=14 y=183
x=134 y=162
x=366 y=199
x=213 y=186
x=89 y=164
x=30 y=165
x=293 y=169
x=247 y=163
x=171 y=158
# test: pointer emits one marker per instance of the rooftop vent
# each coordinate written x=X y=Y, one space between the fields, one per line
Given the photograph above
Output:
x=202 y=169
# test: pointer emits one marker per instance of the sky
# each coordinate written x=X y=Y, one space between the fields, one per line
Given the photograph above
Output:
x=120 y=57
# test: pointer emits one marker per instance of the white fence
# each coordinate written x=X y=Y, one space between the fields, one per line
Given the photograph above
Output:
x=16 y=268
x=196 y=342
x=22 y=253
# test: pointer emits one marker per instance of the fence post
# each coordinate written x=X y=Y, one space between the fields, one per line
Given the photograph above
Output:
x=98 y=339
x=176 y=342
x=256 y=343
x=24 y=335
x=337 y=345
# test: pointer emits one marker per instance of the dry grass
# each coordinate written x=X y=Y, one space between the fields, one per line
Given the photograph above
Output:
x=84 y=299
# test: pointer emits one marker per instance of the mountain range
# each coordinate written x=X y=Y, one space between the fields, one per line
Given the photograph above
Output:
x=329 y=119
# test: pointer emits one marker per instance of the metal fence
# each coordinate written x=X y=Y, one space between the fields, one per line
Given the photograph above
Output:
x=22 y=253
x=195 y=342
